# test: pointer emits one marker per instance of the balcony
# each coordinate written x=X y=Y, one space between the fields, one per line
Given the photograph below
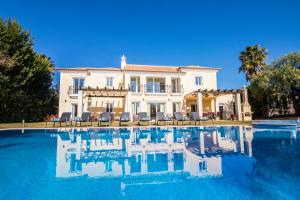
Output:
x=135 y=88
x=176 y=89
x=73 y=91
x=157 y=88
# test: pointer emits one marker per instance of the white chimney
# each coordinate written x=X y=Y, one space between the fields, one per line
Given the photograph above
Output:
x=123 y=62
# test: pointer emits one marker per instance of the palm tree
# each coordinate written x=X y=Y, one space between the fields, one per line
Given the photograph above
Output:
x=253 y=60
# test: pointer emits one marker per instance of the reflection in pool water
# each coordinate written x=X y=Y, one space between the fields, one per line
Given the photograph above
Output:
x=151 y=163
x=192 y=152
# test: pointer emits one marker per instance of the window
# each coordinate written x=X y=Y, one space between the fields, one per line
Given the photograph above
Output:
x=198 y=80
x=135 y=84
x=202 y=166
x=155 y=85
x=177 y=107
x=74 y=110
x=77 y=84
x=109 y=107
x=136 y=107
x=175 y=85
x=109 y=82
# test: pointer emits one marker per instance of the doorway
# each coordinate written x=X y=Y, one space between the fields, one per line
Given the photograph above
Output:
x=153 y=108
x=193 y=107
x=74 y=110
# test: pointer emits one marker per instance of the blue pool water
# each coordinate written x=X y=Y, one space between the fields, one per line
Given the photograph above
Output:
x=150 y=163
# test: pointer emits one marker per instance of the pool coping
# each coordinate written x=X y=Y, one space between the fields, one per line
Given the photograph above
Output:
x=117 y=127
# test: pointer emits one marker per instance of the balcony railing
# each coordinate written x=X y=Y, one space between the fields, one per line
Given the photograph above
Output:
x=156 y=88
x=176 y=89
x=135 y=88
x=73 y=90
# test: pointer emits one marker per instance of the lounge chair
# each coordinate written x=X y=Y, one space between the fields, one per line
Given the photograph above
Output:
x=211 y=116
x=178 y=117
x=124 y=118
x=143 y=117
x=85 y=117
x=65 y=117
x=160 y=117
x=196 y=118
x=105 y=117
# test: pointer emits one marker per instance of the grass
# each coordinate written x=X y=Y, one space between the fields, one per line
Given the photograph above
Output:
x=114 y=124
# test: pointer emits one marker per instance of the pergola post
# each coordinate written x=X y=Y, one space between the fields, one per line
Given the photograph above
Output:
x=80 y=102
x=238 y=106
x=199 y=104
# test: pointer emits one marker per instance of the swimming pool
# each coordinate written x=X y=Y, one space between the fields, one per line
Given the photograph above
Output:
x=226 y=162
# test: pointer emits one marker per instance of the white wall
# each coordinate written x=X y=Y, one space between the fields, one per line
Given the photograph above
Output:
x=97 y=78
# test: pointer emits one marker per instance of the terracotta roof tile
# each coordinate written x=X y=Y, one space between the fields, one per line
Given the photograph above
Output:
x=89 y=68
x=151 y=68
x=142 y=68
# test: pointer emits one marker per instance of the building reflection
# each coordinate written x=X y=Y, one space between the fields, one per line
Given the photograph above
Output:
x=150 y=152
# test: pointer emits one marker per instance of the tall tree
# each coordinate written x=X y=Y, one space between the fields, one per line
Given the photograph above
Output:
x=25 y=76
x=277 y=87
x=288 y=68
x=252 y=60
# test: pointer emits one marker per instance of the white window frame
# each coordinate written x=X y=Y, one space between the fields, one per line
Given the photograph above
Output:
x=109 y=107
x=75 y=90
x=135 y=88
x=109 y=81
x=136 y=109
x=199 y=80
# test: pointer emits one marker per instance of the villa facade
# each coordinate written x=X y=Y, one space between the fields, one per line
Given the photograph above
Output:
x=144 y=88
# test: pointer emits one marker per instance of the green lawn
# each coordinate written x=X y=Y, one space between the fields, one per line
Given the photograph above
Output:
x=114 y=124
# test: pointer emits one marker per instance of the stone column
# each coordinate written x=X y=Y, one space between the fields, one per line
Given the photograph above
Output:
x=199 y=104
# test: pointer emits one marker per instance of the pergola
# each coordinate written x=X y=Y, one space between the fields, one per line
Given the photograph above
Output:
x=211 y=93
x=105 y=92
x=207 y=98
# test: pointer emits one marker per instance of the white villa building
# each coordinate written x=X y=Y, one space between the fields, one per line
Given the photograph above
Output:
x=145 y=88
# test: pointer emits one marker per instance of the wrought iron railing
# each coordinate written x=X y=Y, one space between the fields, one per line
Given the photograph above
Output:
x=155 y=88
x=135 y=88
x=73 y=90
x=176 y=89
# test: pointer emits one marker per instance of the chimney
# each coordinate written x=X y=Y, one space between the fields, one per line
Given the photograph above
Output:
x=123 y=62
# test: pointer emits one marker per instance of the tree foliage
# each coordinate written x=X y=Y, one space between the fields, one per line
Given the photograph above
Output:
x=25 y=76
x=277 y=87
x=252 y=60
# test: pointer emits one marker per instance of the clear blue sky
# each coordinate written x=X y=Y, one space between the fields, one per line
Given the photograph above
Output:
x=209 y=33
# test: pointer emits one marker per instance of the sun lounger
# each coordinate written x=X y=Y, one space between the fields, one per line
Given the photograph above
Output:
x=124 y=118
x=160 y=117
x=85 y=117
x=65 y=117
x=178 y=117
x=105 y=117
x=143 y=117
x=196 y=118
